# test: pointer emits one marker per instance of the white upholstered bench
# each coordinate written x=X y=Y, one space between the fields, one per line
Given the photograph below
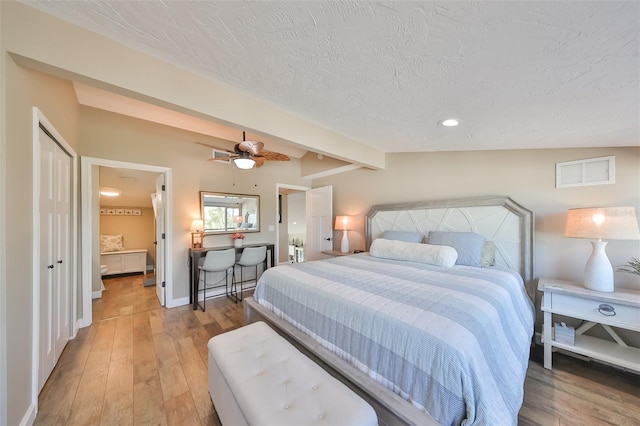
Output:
x=256 y=377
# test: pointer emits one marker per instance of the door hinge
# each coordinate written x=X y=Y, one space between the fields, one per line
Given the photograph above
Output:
x=163 y=187
x=163 y=235
x=163 y=285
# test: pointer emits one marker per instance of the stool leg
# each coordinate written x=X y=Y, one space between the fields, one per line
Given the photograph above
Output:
x=226 y=282
x=204 y=292
x=233 y=293
x=241 y=282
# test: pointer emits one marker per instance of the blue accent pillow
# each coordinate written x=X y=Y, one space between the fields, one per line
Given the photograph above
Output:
x=467 y=244
x=406 y=236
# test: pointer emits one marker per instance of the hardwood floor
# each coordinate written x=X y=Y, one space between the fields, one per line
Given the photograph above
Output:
x=141 y=364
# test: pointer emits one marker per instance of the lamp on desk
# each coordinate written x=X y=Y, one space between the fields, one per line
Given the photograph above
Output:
x=345 y=224
x=197 y=233
x=611 y=223
x=238 y=220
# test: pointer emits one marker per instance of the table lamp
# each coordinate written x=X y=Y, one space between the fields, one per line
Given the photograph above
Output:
x=197 y=227
x=598 y=223
x=344 y=223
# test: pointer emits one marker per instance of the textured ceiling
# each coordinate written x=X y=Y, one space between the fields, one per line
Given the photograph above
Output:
x=536 y=74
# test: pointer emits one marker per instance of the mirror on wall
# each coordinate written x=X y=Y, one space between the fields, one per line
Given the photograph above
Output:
x=227 y=213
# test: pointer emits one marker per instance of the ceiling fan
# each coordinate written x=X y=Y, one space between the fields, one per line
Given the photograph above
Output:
x=246 y=154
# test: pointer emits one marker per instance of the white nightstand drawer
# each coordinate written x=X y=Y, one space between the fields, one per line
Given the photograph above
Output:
x=592 y=310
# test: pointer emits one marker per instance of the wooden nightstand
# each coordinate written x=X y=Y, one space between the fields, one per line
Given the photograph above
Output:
x=618 y=309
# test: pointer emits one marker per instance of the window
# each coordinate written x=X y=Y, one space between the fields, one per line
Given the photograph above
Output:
x=220 y=218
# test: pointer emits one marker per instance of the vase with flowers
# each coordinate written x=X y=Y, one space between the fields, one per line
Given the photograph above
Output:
x=237 y=239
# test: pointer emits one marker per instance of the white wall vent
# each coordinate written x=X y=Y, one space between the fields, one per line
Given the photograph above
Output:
x=592 y=171
x=221 y=156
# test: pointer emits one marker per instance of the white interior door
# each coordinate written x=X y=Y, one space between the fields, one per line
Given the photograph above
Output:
x=319 y=227
x=62 y=295
x=55 y=245
x=160 y=238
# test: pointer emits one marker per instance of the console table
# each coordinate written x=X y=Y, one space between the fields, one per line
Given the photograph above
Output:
x=195 y=255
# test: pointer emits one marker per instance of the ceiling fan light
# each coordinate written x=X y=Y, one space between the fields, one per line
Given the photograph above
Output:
x=244 y=163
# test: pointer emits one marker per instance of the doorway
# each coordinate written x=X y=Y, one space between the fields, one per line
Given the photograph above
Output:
x=306 y=242
x=127 y=231
x=91 y=232
x=291 y=234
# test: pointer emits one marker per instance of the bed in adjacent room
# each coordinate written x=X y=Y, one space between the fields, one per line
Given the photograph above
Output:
x=426 y=332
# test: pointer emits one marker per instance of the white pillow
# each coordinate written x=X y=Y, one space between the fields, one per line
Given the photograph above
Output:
x=414 y=252
x=111 y=243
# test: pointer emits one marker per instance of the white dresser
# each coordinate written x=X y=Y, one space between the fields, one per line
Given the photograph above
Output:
x=619 y=309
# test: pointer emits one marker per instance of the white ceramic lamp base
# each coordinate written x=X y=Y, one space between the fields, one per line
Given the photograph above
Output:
x=344 y=246
x=598 y=273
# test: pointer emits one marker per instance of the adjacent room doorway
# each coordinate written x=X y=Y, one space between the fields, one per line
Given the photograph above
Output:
x=90 y=230
x=317 y=235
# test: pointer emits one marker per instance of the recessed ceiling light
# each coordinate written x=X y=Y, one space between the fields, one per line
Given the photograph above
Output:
x=450 y=122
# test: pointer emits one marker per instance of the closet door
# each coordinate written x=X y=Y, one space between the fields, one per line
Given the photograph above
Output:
x=47 y=262
x=55 y=216
x=62 y=250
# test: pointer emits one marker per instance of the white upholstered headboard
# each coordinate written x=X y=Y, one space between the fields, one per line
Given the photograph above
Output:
x=500 y=219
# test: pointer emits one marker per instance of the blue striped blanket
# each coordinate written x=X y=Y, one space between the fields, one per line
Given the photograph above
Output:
x=452 y=341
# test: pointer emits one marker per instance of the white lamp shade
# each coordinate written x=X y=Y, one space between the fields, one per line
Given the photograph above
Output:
x=343 y=222
x=607 y=223
x=197 y=225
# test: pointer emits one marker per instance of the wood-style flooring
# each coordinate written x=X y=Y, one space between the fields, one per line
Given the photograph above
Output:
x=141 y=364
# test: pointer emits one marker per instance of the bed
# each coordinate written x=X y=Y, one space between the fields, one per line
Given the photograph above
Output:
x=424 y=339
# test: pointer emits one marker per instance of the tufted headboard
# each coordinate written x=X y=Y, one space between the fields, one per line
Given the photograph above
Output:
x=500 y=219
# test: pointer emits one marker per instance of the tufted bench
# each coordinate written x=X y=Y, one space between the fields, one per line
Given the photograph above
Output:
x=256 y=377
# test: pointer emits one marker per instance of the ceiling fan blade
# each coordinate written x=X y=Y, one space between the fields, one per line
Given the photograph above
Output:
x=259 y=161
x=273 y=156
x=252 y=147
x=216 y=147
x=222 y=158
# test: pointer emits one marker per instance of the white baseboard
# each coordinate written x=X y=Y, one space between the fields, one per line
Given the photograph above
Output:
x=30 y=416
x=178 y=302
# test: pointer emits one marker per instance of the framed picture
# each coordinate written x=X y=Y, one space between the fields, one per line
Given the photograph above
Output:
x=120 y=212
x=128 y=212
x=111 y=211
x=103 y=211
x=136 y=212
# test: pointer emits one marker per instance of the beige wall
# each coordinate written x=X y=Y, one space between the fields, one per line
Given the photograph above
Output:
x=527 y=176
x=54 y=97
x=138 y=232
x=117 y=137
